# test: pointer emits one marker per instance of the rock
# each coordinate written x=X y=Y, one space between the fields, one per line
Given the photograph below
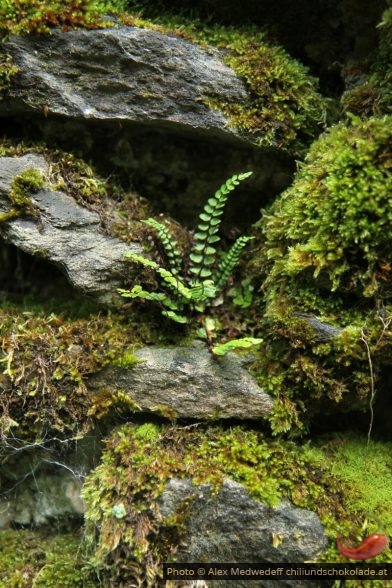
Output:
x=65 y=234
x=324 y=331
x=42 y=485
x=231 y=526
x=124 y=73
x=140 y=93
x=187 y=382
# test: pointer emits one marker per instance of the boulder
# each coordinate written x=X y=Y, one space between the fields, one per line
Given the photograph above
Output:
x=63 y=233
x=231 y=526
x=187 y=382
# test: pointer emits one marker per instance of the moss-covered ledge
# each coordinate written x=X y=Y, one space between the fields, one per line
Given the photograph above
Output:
x=324 y=250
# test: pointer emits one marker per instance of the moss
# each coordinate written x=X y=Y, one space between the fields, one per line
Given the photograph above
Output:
x=285 y=110
x=39 y=16
x=46 y=357
x=7 y=72
x=325 y=250
x=30 y=558
x=120 y=211
x=366 y=470
x=23 y=185
x=128 y=538
x=373 y=96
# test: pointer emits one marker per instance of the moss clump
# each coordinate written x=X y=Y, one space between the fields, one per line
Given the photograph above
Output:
x=30 y=558
x=325 y=251
x=334 y=222
x=45 y=358
x=285 y=110
x=127 y=535
x=39 y=16
x=366 y=470
x=23 y=185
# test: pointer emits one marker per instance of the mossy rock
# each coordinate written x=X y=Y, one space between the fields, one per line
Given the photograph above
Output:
x=125 y=530
x=325 y=250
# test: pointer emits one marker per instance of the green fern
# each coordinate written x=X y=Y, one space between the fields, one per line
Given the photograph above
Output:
x=202 y=285
x=243 y=343
x=229 y=261
x=203 y=253
x=173 y=255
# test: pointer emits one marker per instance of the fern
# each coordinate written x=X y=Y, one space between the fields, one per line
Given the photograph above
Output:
x=202 y=285
x=169 y=245
x=229 y=261
x=203 y=253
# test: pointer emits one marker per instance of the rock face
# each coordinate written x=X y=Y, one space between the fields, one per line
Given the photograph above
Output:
x=141 y=94
x=231 y=526
x=124 y=73
x=67 y=234
x=187 y=382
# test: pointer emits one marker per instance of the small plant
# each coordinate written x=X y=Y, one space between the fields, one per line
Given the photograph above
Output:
x=194 y=290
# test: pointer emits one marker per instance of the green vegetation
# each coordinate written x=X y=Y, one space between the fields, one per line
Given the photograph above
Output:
x=127 y=536
x=192 y=284
x=330 y=232
x=46 y=356
x=201 y=284
x=23 y=185
x=373 y=97
x=366 y=470
x=39 y=16
x=41 y=560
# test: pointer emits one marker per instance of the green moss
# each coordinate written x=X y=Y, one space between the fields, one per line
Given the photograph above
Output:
x=46 y=357
x=124 y=528
x=366 y=471
x=30 y=558
x=23 y=186
x=373 y=97
x=39 y=16
x=325 y=250
x=285 y=110
x=7 y=72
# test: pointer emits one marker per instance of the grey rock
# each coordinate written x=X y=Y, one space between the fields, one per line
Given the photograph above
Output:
x=231 y=526
x=324 y=331
x=41 y=484
x=124 y=73
x=66 y=234
x=131 y=100
x=187 y=382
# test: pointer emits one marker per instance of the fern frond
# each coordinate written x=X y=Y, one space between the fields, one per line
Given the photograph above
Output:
x=138 y=292
x=229 y=261
x=203 y=252
x=243 y=343
x=178 y=318
x=168 y=243
x=173 y=282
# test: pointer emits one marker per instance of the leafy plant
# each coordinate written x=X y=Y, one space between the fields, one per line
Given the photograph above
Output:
x=205 y=278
